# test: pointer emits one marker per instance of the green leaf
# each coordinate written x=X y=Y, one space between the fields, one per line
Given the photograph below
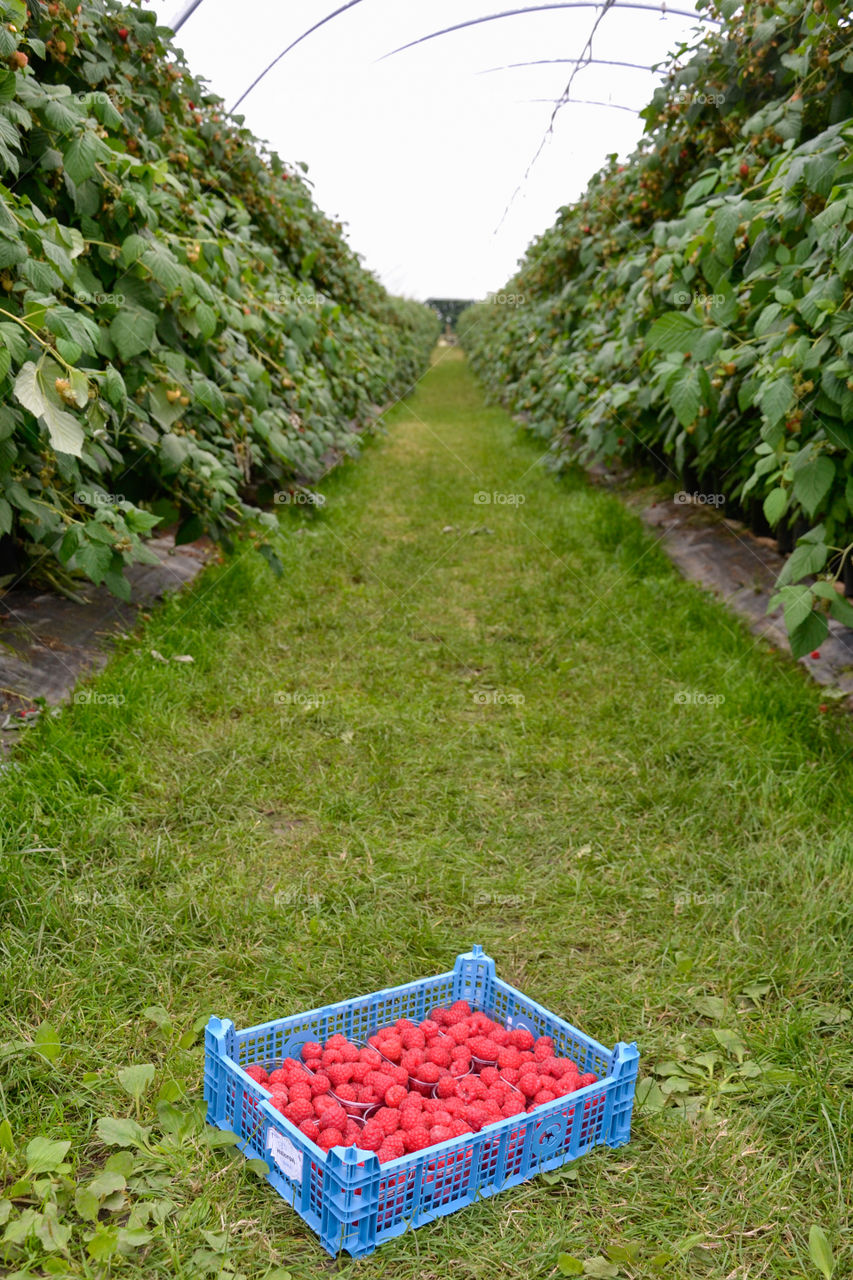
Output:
x=133 y=331
x=806 y=558
x=775 y=505
x=114 y=388
x=820 y=1251
x=809 y=634
x=569 y=1266
x=80 y=157
x=65 y=432
x=685 y=398
x=776 y=399
x=157 y=1014
x=114 y=1132
x=103 y=1243
x=47 y=1042
x=136 y=1080
x=649 y=1095
x=87 y=1204
x=674 y=331
x=731 y=1042
x=710 y=1006
x=600 y=1268
x=7 y=1142
x=813 y=481
x=44 y=1155
x=841 y=610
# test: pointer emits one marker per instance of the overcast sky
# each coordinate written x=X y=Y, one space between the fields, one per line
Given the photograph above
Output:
x=419 y=155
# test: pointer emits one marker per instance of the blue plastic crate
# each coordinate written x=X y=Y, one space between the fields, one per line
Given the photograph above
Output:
x=351 y=1201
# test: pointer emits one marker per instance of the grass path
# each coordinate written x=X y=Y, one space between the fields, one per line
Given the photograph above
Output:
x=448 y=722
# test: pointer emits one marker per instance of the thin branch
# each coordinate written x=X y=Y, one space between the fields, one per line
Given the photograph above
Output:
x=587 y=102
x=187 y=12
x=547 y=62
x=305 y=34
x=540 y=8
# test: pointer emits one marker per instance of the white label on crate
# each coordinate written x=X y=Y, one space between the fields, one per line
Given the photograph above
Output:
x=286 y=1155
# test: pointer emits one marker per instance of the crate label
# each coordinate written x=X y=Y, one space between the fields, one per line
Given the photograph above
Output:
x=286 y=1155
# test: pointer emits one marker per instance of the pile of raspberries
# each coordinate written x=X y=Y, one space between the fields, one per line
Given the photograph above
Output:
x=414 y=1085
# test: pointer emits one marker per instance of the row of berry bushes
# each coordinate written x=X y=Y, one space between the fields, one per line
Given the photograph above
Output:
x=693 y=309
x=182 y=331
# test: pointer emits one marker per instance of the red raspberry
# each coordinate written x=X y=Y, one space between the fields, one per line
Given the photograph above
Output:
x=566 y=1084
x=281 y=1104
x=417 y=1139
x=454 y=1106
x=388 y=1118
x=346 y=1093
x=299 y=1111
x=458 y=1127
x=278 y=1076
x=528 y=1084
x=257 y=1072
x=513 y=1106
x=380 y=1081
x=461 y=1064
x=440 y=1133
x=527 y=1055
x=459 y=1034
x=472 y=1088
x=490 y=1075
x=403 y=1024
x=440 y=1116
x=429 y=1027
x=521 y=1038
x=313 y=1064
x=329 y=1138
x=352 y=1133
x=428 y=1073
x=339 y=1073
x=392 y=1048
x=477 y=1114
x=413 y=1102
x=439 y=1054
x=500 y=1036
x=446 y=1087
x=400 y=1075
x=411 y=1119
x=322 y=1102
x=461 y=1006
x=510 y=1074
x=588 y=1077
x=311 y=1050
x=310 y=1129
x=396 y=1095
x=484 y=1048
x=369 y=1094
x=392 y=1148
x=543 y=1048
x=299 y=1090
x=509 y=1057
x=412 y=1059
x=336 y=1041
x=330 y=1057
x=371 y=1056
x=349 y=1052
x=372 y=1136
x=333 y=1117
x=437 y=1016
x=413 y=1038
x=360 y=1070
x=543 y=1095
x=320 y=1083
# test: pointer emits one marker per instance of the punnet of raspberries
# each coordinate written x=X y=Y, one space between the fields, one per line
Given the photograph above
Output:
x=416 y=1085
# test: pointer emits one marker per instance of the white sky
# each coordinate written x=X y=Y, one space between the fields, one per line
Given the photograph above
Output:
x=419 y=155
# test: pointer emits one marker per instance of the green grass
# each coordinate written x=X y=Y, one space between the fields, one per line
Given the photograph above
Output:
x=446 y=723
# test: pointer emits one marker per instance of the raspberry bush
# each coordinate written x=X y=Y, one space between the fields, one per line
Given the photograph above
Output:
x=182 y=332
x=693 y=309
